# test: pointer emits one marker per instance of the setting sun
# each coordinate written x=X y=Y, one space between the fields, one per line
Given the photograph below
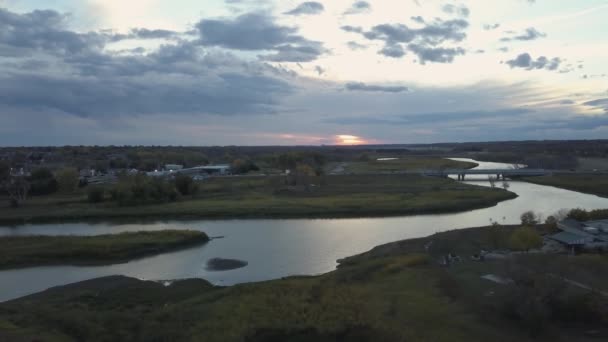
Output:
x=349 y=140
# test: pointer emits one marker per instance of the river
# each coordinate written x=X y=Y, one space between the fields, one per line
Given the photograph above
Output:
x=279 y=248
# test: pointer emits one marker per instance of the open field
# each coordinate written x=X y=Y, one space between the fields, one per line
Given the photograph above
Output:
x=401 y=164
x=587 y=183
x=25 y=251
x=397 y=292
x=252 y=197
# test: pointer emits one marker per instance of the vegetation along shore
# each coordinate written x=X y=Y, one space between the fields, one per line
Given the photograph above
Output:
x=25 y=251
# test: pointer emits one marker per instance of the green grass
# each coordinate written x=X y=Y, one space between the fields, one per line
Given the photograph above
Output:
x=395 y=292
x=23 y=251
x=258 y=197
x=404 y=164
x=587 y=183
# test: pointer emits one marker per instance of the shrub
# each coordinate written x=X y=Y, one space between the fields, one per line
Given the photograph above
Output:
x=186 y=185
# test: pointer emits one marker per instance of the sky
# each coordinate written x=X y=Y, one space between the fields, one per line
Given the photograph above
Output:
x=269 y=72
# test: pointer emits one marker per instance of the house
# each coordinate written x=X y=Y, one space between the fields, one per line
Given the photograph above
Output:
x=582 y=235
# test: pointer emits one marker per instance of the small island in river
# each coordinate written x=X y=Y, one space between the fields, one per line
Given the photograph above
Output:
x=219 y=264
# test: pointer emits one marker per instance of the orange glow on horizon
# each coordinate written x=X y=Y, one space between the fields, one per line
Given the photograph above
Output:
x=345 y=139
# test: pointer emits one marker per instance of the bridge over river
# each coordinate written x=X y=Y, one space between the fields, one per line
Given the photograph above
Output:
x=500 y=173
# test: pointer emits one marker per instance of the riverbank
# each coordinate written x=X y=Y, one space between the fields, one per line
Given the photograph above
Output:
x=586 y=183
x=28 y=251
x=258 y=197
x=398 y=292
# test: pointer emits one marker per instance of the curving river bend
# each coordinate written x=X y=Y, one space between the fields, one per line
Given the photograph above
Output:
x=279 y=248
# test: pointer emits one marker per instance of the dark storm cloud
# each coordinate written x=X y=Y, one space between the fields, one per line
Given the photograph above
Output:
x=525 y=61
x=307 y=8
x=360 y=86
x=75 y=75
x=530 y=34
x=424 y=42
x=255 y=31
x=359 y=7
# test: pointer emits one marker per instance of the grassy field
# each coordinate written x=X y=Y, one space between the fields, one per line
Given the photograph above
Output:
x=258 y=197
x=402 y=164
x=396 y=292
x=587 y=183
x=23 y=251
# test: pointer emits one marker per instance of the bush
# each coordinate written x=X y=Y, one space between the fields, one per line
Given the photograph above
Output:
x=96 y=194
x=524 y=239
x=67 y=180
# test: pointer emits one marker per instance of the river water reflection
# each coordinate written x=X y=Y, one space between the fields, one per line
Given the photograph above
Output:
x=278 y=248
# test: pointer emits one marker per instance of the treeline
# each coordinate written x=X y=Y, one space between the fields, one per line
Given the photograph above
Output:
x=141 y=189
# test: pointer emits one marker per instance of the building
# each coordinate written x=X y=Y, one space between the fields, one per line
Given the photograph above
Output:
x=173 y=167
x=582 y=235
x=202 y=171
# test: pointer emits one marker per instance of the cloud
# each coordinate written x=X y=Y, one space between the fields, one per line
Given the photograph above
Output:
x=359 y=7
x=255 y=31
x=356 y=46
x=307 y=8
x=461 y=10
x=143 y=33
x=393 y=50
x=529 y=34
x=418 y=19
x=74 y=75
x=360 y=86
x=599 y=104
x=424 y=42
x=490 y=27
x=437 y=55
x=43 y=30
x=434 y=117
x=525 y=61
x=295 y=53
x=319 y=70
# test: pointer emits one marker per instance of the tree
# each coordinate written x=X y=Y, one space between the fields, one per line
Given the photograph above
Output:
x=240 y=166
x=492 y=181
x=505 y=185
x=17 y=188
x=525 y=238
x=185 y=185
x=42 y=182
x=529 y=218
x=67 y=180
x=578 y=214
x=95 y=194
